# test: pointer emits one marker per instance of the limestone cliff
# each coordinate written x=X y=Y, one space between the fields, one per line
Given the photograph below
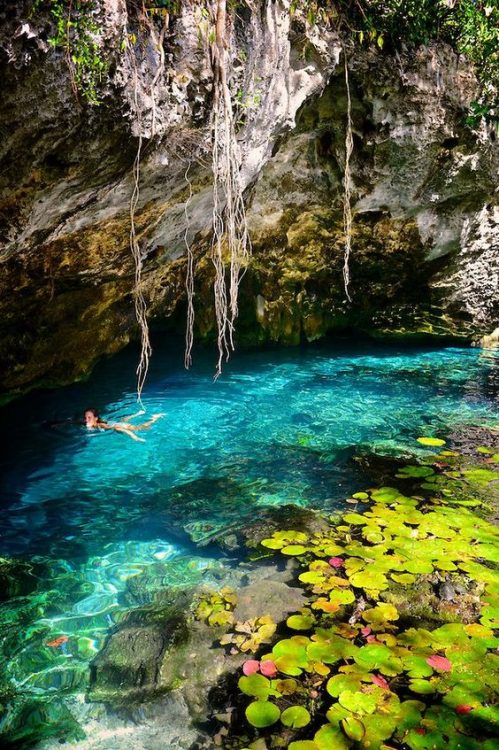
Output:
x=425 y=253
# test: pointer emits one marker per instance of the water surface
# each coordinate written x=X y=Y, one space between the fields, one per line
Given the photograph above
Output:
x=279 y=427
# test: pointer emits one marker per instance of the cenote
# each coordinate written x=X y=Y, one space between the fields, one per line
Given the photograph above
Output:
x=89 y=511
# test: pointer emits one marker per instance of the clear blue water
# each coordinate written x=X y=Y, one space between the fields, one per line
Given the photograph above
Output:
x=279 y=427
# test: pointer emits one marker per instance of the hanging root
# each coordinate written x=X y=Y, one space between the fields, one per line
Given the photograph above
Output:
x=138 y=296
x=230 y=233
x=189 y=281
x=347 y=183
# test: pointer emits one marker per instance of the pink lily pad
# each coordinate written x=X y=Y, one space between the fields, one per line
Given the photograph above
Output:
x=336 y=562
x=365 y=631
x=268 y=668
x=251 y=667
x=380 y=681
x=463 y=709
x=439 y=662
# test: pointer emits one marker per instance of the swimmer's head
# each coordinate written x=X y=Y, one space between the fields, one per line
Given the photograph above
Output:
x=91 y=418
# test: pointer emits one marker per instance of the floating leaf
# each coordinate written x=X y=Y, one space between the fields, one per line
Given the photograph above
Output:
x=405 y=579
x=300 y=622
x=273 y=543
x=303 y=745
x=353 y=728
x=416 y=472
x=268 y=668
x=380 y=681
x=336 y=562
x=357 y=702
x=295 y=717
x=439 y=662
x=422 y=687
x=251 y=666
x=380 y=614
x=286 y=687
x=255 y=685
x=261 y=714
x=342 y=597
x=431 y=441
x=327 y=738
x=361 y=496
x=341 y=682
x=366 y=579
x=463 y=709
x=355 y=518
x=294 y=549
x=380 y=657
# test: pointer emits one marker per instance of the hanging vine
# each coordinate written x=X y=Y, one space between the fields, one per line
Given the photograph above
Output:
x=347 y=186
x=189 y=281
x=140 y=304
x=230 y=232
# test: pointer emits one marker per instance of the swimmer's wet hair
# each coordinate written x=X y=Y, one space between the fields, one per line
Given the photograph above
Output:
x=93 y=411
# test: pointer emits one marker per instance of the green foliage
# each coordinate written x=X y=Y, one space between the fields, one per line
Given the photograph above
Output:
x=216 y=608
x=361 y=670
x=76 y=33
x=471 y=27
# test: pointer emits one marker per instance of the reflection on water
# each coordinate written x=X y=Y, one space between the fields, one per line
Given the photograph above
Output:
x=103 y=510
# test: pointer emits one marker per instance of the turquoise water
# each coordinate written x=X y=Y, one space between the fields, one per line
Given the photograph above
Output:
x=279 y=427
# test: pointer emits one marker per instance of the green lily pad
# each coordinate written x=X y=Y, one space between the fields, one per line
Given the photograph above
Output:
x=431 y=441
x=422 y=687
x=300 y=622
x=303 y=745
x=353 y=728
x=416 y=472
x=405 y=579
x=342 y=596
x=416 y=666
x=255 y=685
x=272 y=543
x=354 y=518
x=368 y=580
x=262 y=714
x=380 y=614
x=294 y=549
x=295 y=717
x=360 y=496
x=329 y=737
x=361 y=703
x=378 y=656
x=340 y=682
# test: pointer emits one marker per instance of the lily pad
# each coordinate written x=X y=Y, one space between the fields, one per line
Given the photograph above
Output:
x=330 y=736
x=255 y=685
x=353 y=728
x=295 y=717
x=262 y=714
x=300 y=622
x=431 y=441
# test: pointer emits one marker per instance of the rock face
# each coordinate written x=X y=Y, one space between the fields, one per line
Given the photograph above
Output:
x=425 y=240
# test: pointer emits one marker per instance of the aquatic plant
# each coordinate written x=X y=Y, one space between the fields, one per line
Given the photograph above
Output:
x=359 y=667
x=216 y=607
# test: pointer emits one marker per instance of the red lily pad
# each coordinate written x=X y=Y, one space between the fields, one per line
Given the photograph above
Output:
x=336 y=562
x=463 y=709
x=380 y=681
x=251 y=666
x=439 y=662
x=268 y=668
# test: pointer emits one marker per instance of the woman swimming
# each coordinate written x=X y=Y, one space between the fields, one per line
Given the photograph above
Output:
x=93 y=421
